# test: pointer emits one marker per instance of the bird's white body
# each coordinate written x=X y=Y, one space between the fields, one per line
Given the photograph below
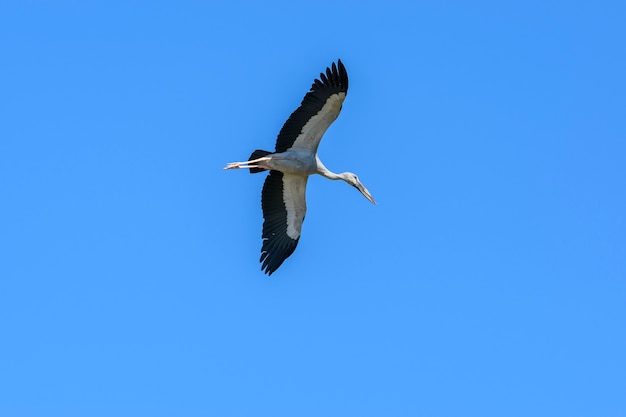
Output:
x=294 y=161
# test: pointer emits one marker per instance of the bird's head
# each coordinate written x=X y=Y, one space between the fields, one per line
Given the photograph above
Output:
x=353 y=180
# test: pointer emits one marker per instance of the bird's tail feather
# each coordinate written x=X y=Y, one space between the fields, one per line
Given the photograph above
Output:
x=256 y=155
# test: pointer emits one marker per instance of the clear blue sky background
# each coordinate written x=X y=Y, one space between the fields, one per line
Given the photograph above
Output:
x=488 y=281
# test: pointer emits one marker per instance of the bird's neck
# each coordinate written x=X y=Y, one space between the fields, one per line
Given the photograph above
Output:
x=327 y=173
x=332 y=176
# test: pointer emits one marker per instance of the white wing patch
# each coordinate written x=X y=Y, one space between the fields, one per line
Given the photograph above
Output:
x=294 y=196
x=312 y=132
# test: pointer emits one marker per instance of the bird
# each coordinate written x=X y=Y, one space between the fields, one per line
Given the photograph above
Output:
x=283 y=199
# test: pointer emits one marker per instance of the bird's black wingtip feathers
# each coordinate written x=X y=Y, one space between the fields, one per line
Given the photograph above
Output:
x=271 y=263
x=335 y=76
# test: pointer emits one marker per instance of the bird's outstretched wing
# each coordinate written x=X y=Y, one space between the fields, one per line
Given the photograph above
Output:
x=284 y=206
x=319 y=108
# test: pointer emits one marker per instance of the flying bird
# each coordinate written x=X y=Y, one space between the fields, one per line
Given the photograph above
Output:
x=283 y=197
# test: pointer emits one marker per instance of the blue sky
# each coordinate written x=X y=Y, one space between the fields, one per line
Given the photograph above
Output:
x=488 y=281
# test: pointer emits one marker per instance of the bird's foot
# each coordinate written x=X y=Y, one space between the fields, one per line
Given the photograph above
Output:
x=255 y=163
x=236 y=165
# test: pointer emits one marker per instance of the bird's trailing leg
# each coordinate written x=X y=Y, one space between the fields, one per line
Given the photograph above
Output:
x=255 y=163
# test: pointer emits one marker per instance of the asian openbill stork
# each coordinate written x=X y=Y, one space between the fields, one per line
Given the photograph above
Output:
x=283 y=197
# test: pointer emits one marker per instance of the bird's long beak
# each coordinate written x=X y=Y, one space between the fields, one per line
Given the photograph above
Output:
x=364 y=191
